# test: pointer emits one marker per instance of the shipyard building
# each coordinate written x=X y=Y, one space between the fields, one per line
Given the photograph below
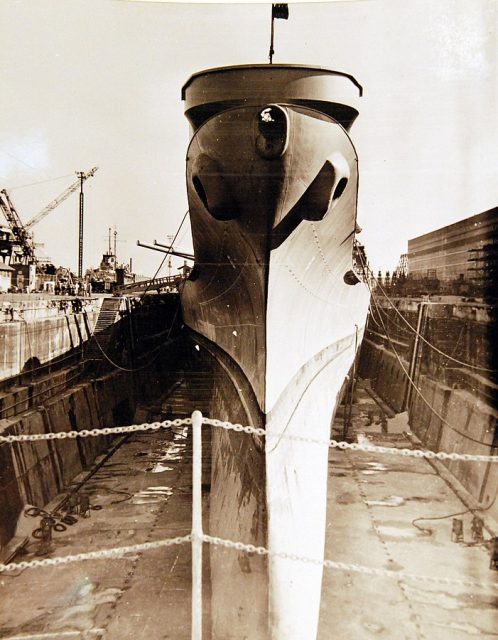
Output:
x=465 y=251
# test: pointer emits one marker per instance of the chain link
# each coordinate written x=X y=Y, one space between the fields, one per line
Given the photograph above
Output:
x=343 y=566
x=234 y=427
x=239 y=546
x=355 y=446
x=178 y=422
x=115 y=552
x=105 y=431
x=118 y=552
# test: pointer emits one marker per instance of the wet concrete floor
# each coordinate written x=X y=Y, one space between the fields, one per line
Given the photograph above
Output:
x=144 y=491
x=374 y=506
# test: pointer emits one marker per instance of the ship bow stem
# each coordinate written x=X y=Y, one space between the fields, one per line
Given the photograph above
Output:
x=274 y=306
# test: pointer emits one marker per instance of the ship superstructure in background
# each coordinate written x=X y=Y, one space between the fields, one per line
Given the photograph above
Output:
x=110 y=274
x=277 y=307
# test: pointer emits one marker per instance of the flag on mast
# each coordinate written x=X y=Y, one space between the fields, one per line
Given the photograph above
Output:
x=280 y=11
x=277 y=11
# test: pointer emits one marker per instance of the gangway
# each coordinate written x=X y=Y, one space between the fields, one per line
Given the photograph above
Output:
x=154 y=284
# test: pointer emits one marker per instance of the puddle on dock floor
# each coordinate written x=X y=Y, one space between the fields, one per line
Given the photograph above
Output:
x=159 y=468
x=156 y=457
x=152 y=494
x=389 y=501
x=402 y=531
x=370 y=468
x=180 y=433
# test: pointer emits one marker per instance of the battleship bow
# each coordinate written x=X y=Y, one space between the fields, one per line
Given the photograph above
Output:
x=278 y=311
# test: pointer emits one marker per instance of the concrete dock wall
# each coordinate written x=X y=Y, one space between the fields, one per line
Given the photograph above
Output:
x=30 y=393
x=382 y=368
x=32 y=333
x=34 y=472
x=88 y=392
x=467 y=332
x=467 y=426
x=451 y=406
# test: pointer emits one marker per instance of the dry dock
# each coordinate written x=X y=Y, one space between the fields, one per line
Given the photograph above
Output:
x=395 y=513
x=377 y=505
x=140 y=494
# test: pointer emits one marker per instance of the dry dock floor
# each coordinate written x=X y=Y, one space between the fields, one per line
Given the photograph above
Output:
x=375 y=502
x=144 y=490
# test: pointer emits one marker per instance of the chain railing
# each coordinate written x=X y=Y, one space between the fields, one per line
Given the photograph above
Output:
x=197 y=536
x=333 y=444
x=105 y=431
x=356 y=446
x=103 y=554
x=343 y=566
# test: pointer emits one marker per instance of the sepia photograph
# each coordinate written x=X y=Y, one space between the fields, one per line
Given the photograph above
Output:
x=248 y=320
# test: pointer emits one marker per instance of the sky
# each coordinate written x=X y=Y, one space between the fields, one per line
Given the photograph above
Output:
x=98 y=83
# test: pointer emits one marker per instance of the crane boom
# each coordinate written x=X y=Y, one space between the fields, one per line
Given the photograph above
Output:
x=18 y=230
x=65 y=194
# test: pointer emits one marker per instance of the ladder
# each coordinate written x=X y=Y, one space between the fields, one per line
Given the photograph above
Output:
x=102 y=331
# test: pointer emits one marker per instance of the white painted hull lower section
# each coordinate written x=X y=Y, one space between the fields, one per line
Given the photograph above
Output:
x=315 y=323
x=297 y=491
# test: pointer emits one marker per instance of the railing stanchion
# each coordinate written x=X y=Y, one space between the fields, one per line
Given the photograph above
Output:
x=197 y=526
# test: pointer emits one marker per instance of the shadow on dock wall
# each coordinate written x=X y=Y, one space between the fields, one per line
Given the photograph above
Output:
x=451 y=406
x=35 y=472
x=28 y=344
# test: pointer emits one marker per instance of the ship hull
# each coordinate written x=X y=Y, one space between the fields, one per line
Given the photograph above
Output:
x=277 y=313
x=269 y=492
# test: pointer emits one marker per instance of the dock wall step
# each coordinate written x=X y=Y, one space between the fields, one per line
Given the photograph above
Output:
x=34 y=472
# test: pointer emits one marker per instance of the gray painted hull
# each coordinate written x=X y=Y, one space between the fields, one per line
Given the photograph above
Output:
x=273 y=222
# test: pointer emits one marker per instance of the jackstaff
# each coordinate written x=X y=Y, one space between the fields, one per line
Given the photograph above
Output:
x=277 y=11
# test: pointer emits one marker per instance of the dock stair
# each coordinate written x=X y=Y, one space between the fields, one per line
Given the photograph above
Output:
x=192 y=391
x=108 y=316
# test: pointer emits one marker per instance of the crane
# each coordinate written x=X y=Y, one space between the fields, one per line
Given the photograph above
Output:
x=20 y=230
x=19 y=233
x=65 y=194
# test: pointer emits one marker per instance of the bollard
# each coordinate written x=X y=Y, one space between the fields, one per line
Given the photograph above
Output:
x=73 y=503
x=476 y=530
x=84 y=507
x=457 y=530
x=493 y=561
x=44 y=535
x=383 y=423
x=197 y=526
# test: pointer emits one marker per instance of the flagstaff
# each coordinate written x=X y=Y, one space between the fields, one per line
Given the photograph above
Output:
x=277 y=11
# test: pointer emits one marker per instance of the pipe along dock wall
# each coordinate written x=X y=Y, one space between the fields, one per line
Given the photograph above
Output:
x=463 y=396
